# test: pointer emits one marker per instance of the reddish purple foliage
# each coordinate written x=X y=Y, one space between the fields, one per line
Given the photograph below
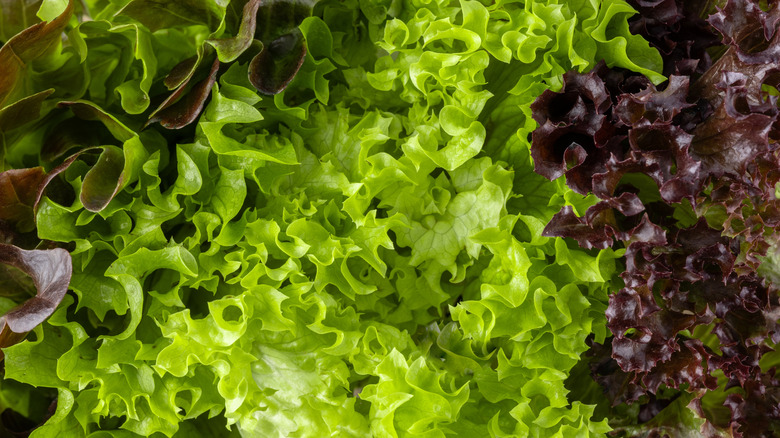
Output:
x=707 y=140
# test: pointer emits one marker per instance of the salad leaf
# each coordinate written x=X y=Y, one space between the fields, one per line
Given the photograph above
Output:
x=28 y=45
x=297 y=218
x=229 y=49
x=686 y=186
x=161 y=14
x=175 y=114
x=16 y=18
x=50 y=271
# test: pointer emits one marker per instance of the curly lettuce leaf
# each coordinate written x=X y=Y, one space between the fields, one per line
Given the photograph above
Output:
x=358 y=252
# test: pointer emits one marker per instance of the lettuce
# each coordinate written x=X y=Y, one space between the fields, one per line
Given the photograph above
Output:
x=686 y=178
x=299 y=218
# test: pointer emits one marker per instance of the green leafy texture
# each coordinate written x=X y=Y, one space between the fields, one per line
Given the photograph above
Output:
x=229 y=49
x=412 y=398
x=358 y=254
x=119 y=62
x=50 y=9
x=103 y=180
x=163 y=14
x=89 y=111
x=114 y=168
x=17 y=15
x=32 y=43
x=22 y=111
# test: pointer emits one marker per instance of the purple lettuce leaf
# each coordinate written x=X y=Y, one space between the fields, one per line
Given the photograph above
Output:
x=676 y=29
x=185 y=104
x=50 y=271
x=706 y=141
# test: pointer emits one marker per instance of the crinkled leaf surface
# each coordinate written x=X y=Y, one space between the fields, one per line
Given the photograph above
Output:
x=342 y=237
x=687 y=180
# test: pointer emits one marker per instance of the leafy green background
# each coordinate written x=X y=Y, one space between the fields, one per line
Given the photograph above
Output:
x=358 y=255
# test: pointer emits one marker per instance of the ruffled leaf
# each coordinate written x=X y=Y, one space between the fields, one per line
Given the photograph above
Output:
x=50 y=271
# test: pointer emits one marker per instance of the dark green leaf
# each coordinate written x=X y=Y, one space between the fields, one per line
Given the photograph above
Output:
x=17 y=15
x=89 y=111
x=23 y=111
x=104 y=180
x=162 y=14
x=277 y=64
x=181 y=72
x=229 y=49
x=279 y=17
